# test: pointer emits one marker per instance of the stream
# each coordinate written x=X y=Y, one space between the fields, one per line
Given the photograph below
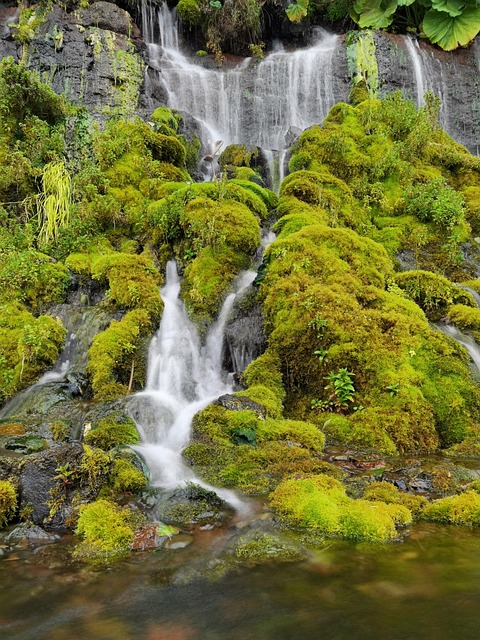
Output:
x=425 y=587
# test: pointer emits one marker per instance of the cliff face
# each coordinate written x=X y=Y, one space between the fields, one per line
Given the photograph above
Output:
x=96 y=56
x=91 y=55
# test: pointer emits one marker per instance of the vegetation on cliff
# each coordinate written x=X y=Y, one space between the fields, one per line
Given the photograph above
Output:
x=352 y=358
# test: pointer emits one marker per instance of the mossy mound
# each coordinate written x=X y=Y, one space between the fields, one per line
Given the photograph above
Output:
x=8 y=501
x=463 y=509
x=113 y=431
x=320 y=503
x=107 y=531
x=28 y=347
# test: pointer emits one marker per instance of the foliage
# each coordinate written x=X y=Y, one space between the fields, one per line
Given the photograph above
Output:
x=111 y=432
x=8 y=501
x=449 y=24
x=340 y=390
x=54 y=201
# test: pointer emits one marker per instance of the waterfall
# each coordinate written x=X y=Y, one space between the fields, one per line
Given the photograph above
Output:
x=467 y=341
x=184 y=376
x=254 y=103
x=429 y=76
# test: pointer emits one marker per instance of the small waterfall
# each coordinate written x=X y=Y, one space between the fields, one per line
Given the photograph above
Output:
x=429 y=76
x=184 y=376
x=467 y=341
x=254 y=103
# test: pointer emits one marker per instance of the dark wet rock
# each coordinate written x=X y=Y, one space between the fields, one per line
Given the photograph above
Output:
x=191 y=505
x=30 y=534
x=49 y=484
x=244 y=338
x=238 y=403
x=106 y=15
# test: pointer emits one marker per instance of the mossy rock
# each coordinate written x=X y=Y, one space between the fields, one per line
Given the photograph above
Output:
x=107 y=532
x=320 y=503
x=8 y=501
x=112 y=431
x=463 y=509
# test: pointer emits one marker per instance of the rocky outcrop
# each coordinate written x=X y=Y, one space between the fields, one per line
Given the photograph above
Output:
x=90 y=55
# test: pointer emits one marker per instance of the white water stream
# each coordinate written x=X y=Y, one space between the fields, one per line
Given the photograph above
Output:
x=255 y=103
x=429 y=76
x=184 y=376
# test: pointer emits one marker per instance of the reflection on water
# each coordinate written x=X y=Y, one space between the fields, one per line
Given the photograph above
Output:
x=426 y=587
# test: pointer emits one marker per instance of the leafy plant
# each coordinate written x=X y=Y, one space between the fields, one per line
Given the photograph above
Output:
x=340 y=391
x=297 y=11
x=54 y=202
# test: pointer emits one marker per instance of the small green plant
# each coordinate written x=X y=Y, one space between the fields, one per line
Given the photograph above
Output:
x=392 y=389
x=340 y=391
x=64 y=473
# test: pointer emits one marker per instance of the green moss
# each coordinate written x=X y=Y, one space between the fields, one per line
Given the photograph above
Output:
x=294 y=432
x=190 y=12
x=388 y=493
x=165 y=121
x=264 y=396
x=106 y=530
x=126 y=478
x=432 y=292
x=207 y=279
x=263 y=547
x=112 y=353
x=8 y=501
x=133 y=280
x=235 y=154
x=28 y=347
x=463 y=509
x=320 y=503
x=32 y=278
x=464 y=317
x=113 y=431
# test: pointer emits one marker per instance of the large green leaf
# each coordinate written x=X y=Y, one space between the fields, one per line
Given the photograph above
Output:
x=405 y=3
x=375 y=14
x=450 y=32
x=452 y=7
x=297 y=11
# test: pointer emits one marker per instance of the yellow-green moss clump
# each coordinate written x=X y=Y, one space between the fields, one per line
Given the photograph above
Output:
x=106 y=530
x=126 y=478
x=463 y=509
x=28 y=347
x=320 y=503
x=8 y=501
x=241 y=450
x=111 y=432
x=387 y=492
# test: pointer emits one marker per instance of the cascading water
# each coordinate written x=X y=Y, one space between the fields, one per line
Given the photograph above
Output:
x=467 y=341
x=183 y=377
x=253 y=103
x=429 y=76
